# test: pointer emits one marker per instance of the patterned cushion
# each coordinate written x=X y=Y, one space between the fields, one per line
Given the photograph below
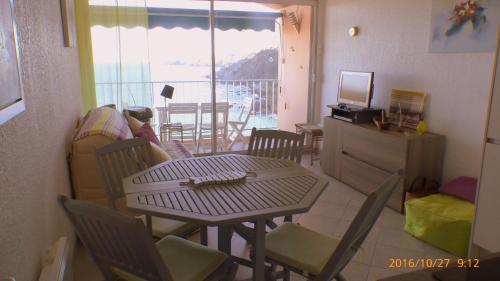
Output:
x=147 y=131
x=176 y=150
x=104 y=121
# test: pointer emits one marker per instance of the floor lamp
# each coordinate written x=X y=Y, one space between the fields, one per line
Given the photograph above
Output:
x=167 y=93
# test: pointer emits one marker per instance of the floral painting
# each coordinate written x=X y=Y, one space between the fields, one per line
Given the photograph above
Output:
x=463 y=26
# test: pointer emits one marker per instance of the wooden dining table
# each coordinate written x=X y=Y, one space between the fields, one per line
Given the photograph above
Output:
x=275 y=188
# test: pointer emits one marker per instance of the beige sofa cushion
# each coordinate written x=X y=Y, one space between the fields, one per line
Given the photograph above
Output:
x=86 y=179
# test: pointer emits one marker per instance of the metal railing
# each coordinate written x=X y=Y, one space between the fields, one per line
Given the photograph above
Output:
x=263 y=91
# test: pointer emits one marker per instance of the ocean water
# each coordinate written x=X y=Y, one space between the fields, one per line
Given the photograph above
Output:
x=141 y=85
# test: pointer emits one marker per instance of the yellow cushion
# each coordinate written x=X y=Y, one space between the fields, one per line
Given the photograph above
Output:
x=299 y=247
x=125 y=275
x=161 y=227
x=164 y=227
x=185 y=260
x=159 y=154
x=189 y=261
x=133 y=123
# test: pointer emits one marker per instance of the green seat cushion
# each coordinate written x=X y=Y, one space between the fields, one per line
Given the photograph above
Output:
x=163 y=227
x=441 y=220
x=185 y=260
x=299 y=247
x=189 y=261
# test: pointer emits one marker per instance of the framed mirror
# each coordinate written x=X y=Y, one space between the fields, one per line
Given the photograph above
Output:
x=11 y=92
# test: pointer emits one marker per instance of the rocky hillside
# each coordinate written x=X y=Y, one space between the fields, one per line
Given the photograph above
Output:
x=263 y=65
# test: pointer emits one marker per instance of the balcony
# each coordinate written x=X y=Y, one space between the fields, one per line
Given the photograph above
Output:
x=264 y=94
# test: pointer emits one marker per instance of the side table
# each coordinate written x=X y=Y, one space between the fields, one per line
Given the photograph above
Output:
x=315 y=134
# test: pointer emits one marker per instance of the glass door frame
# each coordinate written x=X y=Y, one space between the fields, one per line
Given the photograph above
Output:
x=313 y=66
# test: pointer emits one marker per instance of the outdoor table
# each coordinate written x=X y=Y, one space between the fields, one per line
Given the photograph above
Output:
x=280 y=188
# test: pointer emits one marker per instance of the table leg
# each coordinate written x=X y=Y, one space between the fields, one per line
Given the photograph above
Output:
x=224 y=239
x=149 y=224
x=259 y=248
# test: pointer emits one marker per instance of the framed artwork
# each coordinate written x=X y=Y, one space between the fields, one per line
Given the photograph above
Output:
x=11 y=90
x=464 y=26
x=68 y=22
x=407 y=108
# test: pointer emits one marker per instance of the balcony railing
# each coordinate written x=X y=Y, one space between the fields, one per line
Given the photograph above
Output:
x=263 y=91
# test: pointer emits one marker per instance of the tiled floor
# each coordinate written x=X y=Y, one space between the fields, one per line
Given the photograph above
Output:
x=331 y=215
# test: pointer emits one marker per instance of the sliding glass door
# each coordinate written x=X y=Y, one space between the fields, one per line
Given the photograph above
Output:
x=223 y=59
x=247 y=37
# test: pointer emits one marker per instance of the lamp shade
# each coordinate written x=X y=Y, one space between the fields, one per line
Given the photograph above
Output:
x=167 y=92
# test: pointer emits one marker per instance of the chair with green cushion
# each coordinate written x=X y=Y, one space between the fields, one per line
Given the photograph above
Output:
x=123 y=249
x=322 y=258
x=121 y=159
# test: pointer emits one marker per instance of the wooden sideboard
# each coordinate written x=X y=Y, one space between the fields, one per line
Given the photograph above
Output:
x=362 y=156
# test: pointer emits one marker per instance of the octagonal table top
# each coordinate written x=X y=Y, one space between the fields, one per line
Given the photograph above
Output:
x=281 y=187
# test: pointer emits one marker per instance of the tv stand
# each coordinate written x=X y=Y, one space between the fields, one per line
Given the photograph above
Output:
x=362 y=156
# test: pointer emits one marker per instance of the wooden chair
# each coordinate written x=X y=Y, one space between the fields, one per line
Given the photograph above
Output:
x=322 y=258
x=123 y=249
x=239 y=125
x=121 y=159
x=276 y=144
x=222 y=110
x=183 y=111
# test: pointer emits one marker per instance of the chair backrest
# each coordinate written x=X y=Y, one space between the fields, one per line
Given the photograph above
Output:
x=246 y=110
x=162 y=114
x=276 y=144
x=222 y=110
x=187 y=112
x=119 y=160
x=115 y=241
x=360 y=227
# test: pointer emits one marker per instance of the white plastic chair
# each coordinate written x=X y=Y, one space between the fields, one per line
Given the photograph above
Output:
x=161 y=118
x=239 y=125
x=222 y=110
x=183 y=111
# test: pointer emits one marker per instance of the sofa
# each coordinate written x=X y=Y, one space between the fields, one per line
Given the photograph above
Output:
x=85 y=178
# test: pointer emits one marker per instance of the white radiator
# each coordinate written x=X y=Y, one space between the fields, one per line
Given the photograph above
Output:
x=55 y=262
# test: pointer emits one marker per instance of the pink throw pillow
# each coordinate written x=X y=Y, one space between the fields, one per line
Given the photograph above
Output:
x=462 y=187
x=147 y=131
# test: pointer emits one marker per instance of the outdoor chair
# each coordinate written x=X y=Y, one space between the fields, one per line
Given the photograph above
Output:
x=123 y=249
x=222 y=110
x=276 y=144
x=187 y=115
x=121 y=159
x=322 y=258
x=240 y=124
x=161 y=118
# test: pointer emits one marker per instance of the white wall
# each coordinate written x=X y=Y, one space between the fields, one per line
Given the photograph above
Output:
x=394 y=42
x=33 y=145
x=294 y=70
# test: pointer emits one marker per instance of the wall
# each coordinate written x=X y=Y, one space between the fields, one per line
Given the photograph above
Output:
x=294 y=70
x=393 y=42
x=33 y=145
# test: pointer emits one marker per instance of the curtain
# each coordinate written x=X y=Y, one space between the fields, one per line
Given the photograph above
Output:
x=117 y=53
x=82 y=16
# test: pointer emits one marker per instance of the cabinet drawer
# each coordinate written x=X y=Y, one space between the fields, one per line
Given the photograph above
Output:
x=381 y=150
x=366 y=178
